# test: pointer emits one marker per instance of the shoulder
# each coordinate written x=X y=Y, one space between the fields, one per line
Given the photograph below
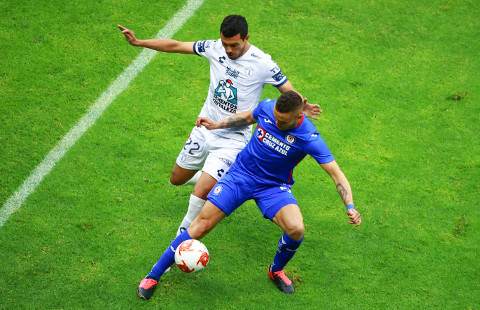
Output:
x=203 y=46
x=307 y=131
x=263 y=59
x=267 y=104
x=258 y=54
x=266 y=67
x=264 y=107
x=312 y=142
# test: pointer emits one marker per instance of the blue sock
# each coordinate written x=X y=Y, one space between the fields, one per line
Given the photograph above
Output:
x=168 y=257
x=285 y=251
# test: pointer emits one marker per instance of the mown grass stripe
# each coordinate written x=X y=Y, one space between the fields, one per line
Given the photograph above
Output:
x=101 y=104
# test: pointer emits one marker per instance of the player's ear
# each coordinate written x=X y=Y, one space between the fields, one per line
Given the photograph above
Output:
x=246 y=38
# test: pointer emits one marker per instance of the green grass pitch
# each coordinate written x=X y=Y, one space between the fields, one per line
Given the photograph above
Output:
x=399 y=85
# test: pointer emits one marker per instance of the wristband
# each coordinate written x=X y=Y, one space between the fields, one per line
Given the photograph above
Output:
x=350 y=206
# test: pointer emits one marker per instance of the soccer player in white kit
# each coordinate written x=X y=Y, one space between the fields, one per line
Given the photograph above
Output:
x=238 y=72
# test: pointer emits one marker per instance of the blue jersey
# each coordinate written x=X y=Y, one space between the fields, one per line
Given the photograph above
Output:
x=272 y=154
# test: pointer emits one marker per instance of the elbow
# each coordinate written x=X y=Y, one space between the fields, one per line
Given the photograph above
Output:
x=172 y=47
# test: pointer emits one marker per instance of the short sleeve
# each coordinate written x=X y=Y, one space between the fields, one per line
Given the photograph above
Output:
x=273 y=74
x=204 y=48
x=258 y=109
x=319 y=150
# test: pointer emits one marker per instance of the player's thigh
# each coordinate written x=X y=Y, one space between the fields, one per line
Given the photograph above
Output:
x=231 y=192
x=181 y=175
x=222 y=154
x=193 y=154
x=204 y=185
x=205 y=221
x=271 y=198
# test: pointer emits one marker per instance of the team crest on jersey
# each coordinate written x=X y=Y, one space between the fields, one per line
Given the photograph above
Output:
x=290 y=139
x=218 y=190
x=225 y=96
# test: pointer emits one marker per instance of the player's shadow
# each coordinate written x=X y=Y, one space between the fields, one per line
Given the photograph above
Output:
x=241 y=248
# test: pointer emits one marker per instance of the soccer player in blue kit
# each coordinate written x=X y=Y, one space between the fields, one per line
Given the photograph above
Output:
x=263 y=172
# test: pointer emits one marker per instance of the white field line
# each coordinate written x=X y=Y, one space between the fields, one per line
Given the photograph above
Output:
x=101 y=104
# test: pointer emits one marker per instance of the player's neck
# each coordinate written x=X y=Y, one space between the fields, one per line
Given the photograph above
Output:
x=300 y=121
x=245 y=50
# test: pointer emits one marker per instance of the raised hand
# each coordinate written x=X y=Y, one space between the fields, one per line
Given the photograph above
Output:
x=129 y=35
x=311 y=110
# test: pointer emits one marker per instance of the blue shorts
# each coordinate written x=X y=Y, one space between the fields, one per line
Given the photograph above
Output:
x=236 y=187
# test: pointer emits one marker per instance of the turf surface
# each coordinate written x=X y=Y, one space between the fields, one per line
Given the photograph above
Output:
x=398 y=82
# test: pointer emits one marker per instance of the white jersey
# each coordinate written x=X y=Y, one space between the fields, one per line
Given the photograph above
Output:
x=236 y=85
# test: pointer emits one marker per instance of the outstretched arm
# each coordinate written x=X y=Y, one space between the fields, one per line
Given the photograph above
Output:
x=310 y=109
x=162 y=45
x=343 y=189
x=236 y=120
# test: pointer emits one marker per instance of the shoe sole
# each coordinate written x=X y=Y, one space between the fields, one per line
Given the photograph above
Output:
x=141 y=296
x=279 y=286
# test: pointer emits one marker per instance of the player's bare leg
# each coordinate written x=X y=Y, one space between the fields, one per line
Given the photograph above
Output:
x=290 y=220
x=202 y=224
x=181 y=175
x=194 y=179
x=206 y=220
x=197 y=199
x=204 y=185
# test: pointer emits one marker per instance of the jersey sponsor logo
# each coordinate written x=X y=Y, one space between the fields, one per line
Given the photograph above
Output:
x=227 y=161
x=290 y=139
x=225 y=96
x=272 y=142
x=232 y=72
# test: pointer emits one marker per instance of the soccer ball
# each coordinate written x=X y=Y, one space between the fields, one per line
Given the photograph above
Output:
x=191 y=255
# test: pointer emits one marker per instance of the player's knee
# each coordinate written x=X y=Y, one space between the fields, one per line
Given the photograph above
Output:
x=175 y=179
x=296 y=230
x=202 y=190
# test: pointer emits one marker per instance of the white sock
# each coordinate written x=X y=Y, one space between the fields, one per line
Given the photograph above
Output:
x=195 y=205
x=195 y=178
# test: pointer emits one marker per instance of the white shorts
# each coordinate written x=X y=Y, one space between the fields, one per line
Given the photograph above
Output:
x=208 y=152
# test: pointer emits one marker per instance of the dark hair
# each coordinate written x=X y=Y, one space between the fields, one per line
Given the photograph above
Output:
x=289 y=101
x=233 y=25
